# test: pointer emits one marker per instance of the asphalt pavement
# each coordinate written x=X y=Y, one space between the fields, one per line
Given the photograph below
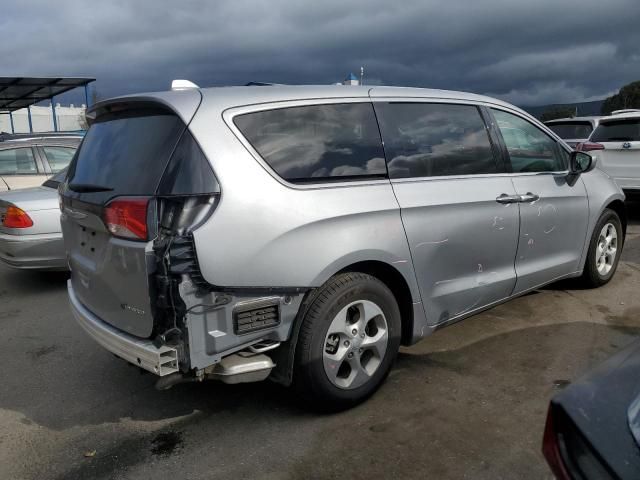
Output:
x=468 y=402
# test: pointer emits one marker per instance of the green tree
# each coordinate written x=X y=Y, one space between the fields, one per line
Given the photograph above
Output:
x=627 y=97
x=557 y=112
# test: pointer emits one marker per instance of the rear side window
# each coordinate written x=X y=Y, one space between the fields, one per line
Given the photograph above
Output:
x=627 y=130
x=58 y=157
x=571 y=130
x=434 y=139
x=126 y=154
x=317 y=143
x=17 y=161
x=530 y=149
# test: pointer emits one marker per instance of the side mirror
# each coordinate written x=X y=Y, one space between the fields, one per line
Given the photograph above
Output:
x=580 y=162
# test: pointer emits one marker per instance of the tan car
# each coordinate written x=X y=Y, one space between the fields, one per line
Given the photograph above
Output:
x=28 y=161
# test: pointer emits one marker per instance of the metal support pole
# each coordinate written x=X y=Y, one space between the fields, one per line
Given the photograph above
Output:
x=29 y=118
x=53 y=109
x=86 y=95
x=11 y=120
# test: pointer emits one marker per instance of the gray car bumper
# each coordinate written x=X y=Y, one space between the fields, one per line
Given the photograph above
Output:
x=141 y=352
x=38 y=252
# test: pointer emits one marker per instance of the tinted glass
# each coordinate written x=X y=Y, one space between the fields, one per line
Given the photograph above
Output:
x=17 y=161
x=433 y=139
x=189 y=172
x=571 y=130
x=58 y=157
x=530 y=149
x=126 y=154
x=617 y=131
x=319 y=142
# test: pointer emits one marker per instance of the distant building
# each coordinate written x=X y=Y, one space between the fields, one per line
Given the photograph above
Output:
x=351 y=80
x=68 y=118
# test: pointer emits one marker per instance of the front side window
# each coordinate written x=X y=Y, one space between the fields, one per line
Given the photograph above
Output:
x=17 y=161
x=530 y=149
x=317 y=142
x=58 y=157
x=434 y=139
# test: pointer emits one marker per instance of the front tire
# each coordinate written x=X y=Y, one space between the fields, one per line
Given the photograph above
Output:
x=348 y=341
x=604 y=250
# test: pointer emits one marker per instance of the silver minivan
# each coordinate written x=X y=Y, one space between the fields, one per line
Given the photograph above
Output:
x=304 y=233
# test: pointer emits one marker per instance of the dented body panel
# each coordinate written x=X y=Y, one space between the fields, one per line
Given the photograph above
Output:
x=224 y=272
x=553 y=229
x=462 y=241
x=602 y=192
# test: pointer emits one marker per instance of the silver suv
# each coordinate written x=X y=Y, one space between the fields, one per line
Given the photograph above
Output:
x=305 y=233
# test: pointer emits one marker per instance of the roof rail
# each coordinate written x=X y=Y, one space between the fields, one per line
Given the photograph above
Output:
x=626 y=110
x=183 y=85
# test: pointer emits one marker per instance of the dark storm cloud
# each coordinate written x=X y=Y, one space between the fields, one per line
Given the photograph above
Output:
x=527 y=52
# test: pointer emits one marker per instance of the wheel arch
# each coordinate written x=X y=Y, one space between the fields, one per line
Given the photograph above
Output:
x=394 y=280
x=619 y=207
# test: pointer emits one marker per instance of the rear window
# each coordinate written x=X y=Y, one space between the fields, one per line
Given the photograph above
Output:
x=627 y=130
x=571 y=130
x=318 y=142
x=126 y=154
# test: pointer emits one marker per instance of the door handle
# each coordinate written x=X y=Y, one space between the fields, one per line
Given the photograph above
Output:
x=529 y=197
x=504 y=198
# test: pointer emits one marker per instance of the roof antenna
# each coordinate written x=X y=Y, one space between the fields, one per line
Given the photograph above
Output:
x=183 y=85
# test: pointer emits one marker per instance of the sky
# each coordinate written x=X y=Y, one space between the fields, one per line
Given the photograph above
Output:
x=528 y=52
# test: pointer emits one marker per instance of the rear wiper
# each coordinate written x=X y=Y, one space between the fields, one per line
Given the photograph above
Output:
x=88 y=187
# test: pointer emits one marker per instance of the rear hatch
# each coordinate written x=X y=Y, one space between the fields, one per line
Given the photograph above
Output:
x=134 y=155
x=616 y=142
x=572 y=132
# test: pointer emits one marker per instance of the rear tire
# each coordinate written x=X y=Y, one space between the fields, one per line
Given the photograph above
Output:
x=605 y=247
x=348 y=341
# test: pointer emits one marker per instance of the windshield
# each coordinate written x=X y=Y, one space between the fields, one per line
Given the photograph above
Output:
x=627 y=130
x=571 y=130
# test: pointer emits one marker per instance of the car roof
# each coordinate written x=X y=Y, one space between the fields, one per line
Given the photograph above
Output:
x=573 y=119
x=69 y=141
x=621 y=116
x=273 y=93
x=4 y=136
x=222 y=98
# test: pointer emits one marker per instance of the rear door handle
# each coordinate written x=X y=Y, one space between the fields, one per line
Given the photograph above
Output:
x=529 y=197
x=504 y=198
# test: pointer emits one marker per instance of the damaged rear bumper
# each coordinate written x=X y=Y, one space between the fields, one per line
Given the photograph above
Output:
x=141 y=352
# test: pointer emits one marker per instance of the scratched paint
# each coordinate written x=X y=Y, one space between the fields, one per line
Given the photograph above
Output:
x=436 y=242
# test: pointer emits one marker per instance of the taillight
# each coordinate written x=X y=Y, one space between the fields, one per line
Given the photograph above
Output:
x=551 y=449
x=126 y=217
x=16 y=218
x=589 y=146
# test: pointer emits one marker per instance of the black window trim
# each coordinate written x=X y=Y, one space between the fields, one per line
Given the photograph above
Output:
x=321 y=183
x=505 y=152
x=498 y=155
x=40 y=169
